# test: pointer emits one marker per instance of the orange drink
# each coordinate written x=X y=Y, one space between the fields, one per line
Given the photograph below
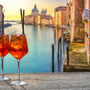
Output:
x=18 y=46
x=4 y=45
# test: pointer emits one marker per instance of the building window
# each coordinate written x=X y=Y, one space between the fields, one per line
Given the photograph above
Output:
x=64 y=19
x=64 y=13
x=69 y=8
x=69 y=16
x=57 y=14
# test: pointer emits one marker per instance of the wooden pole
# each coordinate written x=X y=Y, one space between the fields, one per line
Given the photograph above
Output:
x=58 y=48
x=67 y=56
x=59 y=41
x=54 y=36
x=52 y=57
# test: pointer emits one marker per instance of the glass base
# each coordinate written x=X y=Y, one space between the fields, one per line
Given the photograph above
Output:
x=18 y=83
x=4 y=78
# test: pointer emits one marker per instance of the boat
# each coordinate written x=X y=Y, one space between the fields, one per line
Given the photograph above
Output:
x=5 y=25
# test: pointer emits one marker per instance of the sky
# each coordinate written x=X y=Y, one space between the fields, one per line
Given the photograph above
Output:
x=12 y=8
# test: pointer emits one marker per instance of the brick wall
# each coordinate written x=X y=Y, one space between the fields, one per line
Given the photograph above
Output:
x=79 y=26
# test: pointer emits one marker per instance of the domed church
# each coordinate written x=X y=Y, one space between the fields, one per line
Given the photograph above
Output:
x=38 y=19
x=35 y=11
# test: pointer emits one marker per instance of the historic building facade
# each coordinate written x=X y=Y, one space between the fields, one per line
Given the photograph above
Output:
x=87 y=30
x=72 y=19
x=35 y=11
x=79 y=26
x=44 y=19
x=38 y=19
x=76 y=24
x=60 y=16
x=68 y=13
x=31 y=19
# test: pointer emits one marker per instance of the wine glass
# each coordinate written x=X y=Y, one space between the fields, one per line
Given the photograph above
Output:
x=18 y=49
x=4 y=49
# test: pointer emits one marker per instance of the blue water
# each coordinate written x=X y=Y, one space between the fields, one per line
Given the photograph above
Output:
x=39 y=57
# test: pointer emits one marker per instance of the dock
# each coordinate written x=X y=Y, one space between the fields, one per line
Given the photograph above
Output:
x=49 y=81
x=77 y=59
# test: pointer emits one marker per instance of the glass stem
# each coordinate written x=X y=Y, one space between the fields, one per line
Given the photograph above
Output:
x=18 y=70
x=2 y=67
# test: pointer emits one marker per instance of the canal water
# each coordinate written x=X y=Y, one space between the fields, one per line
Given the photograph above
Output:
x=39 y=56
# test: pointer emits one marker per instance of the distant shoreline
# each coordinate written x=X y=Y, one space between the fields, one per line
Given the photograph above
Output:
x=11 y=20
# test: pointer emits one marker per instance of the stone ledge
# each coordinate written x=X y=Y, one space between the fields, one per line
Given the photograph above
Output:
x=49 y=81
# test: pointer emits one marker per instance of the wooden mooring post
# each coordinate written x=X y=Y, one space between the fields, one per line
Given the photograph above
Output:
x=59 y=41
x=52 y=57
x=67 y=39
x=67 y=56
x=68 y=44
x=58 y=48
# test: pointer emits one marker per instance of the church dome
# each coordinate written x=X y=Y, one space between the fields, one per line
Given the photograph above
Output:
x=42 y=11
x=35 y=9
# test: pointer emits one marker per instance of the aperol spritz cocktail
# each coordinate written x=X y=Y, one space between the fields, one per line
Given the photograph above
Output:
x=4 y=45
x=4 y=49
x=18 y=46
x=18 y=49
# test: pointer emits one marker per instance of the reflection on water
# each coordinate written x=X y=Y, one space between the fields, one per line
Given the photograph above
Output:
x=59 y=61
x=39 y=57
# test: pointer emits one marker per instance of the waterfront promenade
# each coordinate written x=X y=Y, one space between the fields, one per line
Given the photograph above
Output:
x=77 y=59
x=50 y=81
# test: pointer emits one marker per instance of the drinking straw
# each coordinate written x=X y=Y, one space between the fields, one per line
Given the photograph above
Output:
x=22 y=20
x=2 y=23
